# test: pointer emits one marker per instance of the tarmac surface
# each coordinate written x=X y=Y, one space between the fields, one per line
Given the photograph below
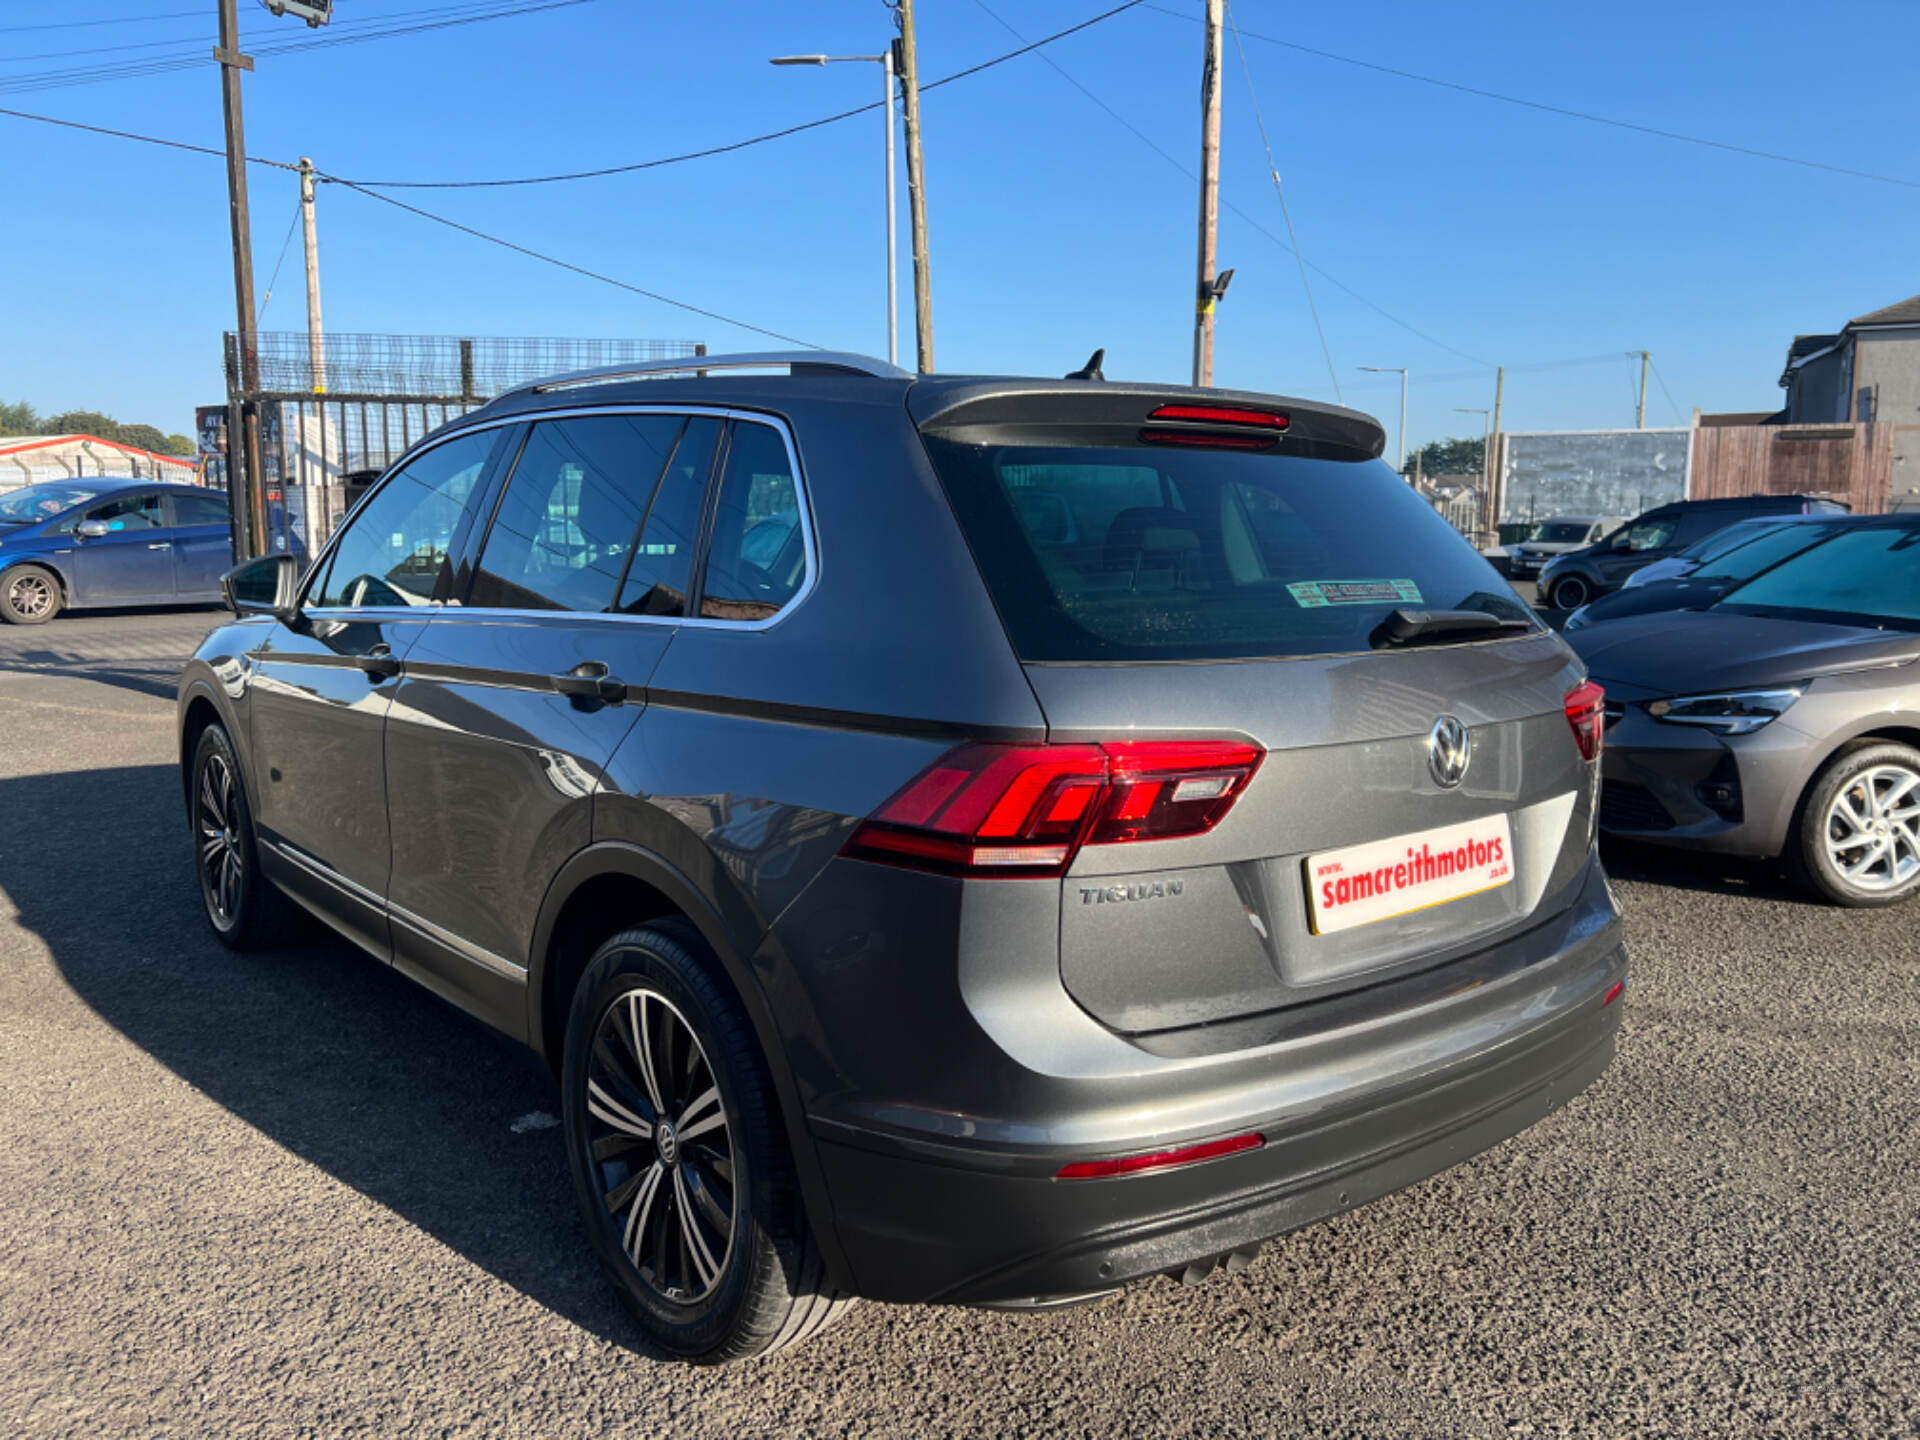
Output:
x=295 y=1195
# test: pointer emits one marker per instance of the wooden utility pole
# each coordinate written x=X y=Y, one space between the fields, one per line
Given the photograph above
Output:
x=316 y=350
x=1205 y=299
x=243 y=420
x=1640 y=410
x=1496 y=476
x=909 y=68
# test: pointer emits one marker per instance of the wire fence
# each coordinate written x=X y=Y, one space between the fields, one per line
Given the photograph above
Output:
x=432 y=366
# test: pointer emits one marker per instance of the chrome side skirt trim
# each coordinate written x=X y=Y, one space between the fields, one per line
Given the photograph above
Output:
x=465 y=949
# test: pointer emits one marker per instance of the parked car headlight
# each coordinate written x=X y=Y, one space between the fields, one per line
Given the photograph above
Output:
x=1738 y=712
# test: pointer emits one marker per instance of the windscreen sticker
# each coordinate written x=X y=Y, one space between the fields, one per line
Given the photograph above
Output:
x=1313 y=594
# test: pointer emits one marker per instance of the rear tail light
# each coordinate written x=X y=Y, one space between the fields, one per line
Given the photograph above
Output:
x=1162 y=1160
x=986 y=809
x=1586 y=706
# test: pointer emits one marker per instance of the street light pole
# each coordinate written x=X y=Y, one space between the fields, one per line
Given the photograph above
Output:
x=1401 y=371
x=885 y=61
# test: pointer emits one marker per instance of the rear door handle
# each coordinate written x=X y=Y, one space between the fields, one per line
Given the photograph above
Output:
x=161 y=545
x=589 y=680
x=379 y=661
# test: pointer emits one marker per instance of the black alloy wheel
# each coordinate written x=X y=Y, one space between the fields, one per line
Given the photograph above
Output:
x=245 y=909
x=679 y=1157
x=217 y=819
x=1570 y=592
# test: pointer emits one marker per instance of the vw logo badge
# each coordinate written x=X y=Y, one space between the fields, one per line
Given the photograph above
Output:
x=1449 y=749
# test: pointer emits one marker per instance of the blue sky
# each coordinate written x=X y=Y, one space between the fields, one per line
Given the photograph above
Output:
x=1509 y=235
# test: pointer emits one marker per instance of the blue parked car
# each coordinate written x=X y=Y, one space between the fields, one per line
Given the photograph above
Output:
x=101 y=540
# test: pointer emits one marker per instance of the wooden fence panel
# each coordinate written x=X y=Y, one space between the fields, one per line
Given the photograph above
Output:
x=1849 y=463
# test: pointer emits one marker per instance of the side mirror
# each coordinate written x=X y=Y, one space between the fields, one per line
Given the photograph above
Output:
x=92 y=529
x=266 y=586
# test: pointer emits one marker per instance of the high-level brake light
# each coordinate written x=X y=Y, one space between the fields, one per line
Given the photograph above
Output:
x=1222 y=415
x=987 y=809
x=1241 y=428
x=1586 y=713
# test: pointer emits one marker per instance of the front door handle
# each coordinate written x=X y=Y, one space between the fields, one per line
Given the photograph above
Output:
x=379 y=662
x=589 y=680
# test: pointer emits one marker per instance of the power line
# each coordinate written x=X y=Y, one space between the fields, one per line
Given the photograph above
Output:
x=519 y=249
x=1153 y=145
x=130 y=20
x=1274 y=170
x=285 y=245
x=133 y=69
x=1569 y=114
x=737 y=145
x=143 y=139
x=1659 y=380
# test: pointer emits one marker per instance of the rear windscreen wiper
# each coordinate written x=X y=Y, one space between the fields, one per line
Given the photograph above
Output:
x=1428 y=627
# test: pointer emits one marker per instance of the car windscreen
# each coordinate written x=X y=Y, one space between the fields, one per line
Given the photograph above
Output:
x=34 y=503
x=1138 y=553
x=1561 y=532
x=1868 y=576
x=1761 y=551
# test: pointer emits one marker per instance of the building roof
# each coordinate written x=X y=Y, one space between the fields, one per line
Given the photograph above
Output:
x=20 y=444
x=1906 y=312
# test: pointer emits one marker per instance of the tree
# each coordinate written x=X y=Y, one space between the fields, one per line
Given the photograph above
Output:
x=17 y=417
x=181 y=445
x=1450 y=457
x=83 y=422
x=145 y=436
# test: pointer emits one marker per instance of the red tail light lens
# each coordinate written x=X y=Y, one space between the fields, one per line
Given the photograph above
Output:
x=1163 y=1160
x=1026 y=809
x=1222 y=415
x=1586 y=713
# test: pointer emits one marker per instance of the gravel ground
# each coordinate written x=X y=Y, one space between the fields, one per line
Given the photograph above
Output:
x=297 y=1196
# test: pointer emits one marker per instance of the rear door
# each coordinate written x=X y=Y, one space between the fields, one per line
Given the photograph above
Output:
x=514 y=701
x=133 y=562
x=202 y=530
x=1414 y=804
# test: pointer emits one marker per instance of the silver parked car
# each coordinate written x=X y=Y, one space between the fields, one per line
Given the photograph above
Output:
x=1783 y=720
x=1558 y=535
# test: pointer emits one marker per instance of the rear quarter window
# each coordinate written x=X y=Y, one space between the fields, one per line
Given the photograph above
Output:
x=1172 y=554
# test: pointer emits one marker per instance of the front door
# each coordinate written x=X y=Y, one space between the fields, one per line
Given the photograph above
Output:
x=320 y=689
x=133 y=561
x=1647 y=539
x=202 y=543
x=513 y=703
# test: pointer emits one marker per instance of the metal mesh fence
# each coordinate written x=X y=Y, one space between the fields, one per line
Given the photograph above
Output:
x=434 y=366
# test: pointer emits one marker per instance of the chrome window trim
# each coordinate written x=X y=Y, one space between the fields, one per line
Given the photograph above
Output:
x=808 y=541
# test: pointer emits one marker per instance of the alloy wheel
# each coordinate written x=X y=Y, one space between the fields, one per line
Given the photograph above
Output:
x=660 y=1147
x=31 y=596
x=217 y=818
x=1872 y=829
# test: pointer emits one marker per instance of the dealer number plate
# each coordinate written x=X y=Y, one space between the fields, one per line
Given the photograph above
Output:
x=1384 y=878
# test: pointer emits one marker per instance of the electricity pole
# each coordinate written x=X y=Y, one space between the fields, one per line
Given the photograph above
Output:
x=909 y=68
x=243 y=420
x=316 y=352
x=1209 y=196
x=1640 y=410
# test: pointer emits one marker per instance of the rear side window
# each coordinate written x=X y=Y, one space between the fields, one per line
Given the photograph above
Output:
x=199 y=510
x=656 y=581
x=757 y=560
x=1165 y=554
x=566 y=525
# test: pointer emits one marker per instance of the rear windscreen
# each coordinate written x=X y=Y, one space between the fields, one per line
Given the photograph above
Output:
x=1168 y=554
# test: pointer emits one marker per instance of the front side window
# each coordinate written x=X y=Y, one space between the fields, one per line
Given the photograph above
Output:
x=1650 y=534
x=758 y=558
x=396 y=551
x=1869 y=576
x=565 y=527
x=129 y=512
x=656 y=582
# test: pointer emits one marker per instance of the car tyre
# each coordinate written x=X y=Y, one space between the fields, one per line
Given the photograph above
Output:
x=1570 y=592
x=679 y=1160
x=246 y=909
x=1857 y=835
x=30 y=595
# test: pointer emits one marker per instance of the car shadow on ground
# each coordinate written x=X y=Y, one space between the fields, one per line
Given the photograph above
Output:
x=1701 y=870
x=329 y=1053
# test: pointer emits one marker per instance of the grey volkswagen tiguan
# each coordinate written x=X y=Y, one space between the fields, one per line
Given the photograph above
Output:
x=978 y=841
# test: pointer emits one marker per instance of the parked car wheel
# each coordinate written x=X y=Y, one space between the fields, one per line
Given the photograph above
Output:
x=1570 y=592
x=29 y=595
x=1859 y=832
x=246 y=909
x=678 y=1158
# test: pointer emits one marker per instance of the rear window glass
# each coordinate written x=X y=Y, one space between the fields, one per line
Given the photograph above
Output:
x=1163 y=554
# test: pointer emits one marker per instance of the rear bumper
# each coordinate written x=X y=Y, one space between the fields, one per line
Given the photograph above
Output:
x=946 y=1222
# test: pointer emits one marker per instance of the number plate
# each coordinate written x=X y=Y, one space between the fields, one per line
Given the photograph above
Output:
x=1384 y=878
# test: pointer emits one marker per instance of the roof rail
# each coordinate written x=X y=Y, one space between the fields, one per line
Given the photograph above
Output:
x=796 y=362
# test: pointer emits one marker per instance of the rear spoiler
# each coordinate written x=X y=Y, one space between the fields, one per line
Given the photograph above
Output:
x=1080 y=413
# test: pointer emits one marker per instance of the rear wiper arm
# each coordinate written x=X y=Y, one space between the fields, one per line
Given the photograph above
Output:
x=1422 y=627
